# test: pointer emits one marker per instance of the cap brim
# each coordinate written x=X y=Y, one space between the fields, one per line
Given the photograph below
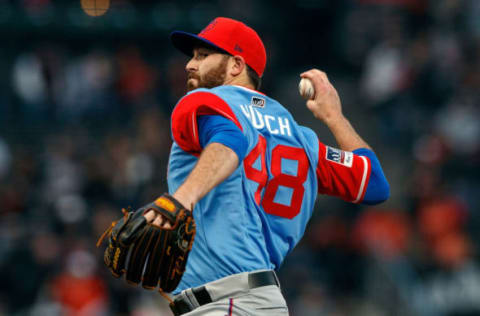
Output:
x=186 y=42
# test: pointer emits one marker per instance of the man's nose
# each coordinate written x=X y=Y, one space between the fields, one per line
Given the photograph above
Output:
x=191 y=66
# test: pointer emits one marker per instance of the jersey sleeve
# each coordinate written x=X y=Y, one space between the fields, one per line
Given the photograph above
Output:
x=218 y=129
x=378 y=189
x=342 y=173
x=184 y=118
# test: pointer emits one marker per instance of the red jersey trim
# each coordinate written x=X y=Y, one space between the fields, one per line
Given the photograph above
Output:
x=365 y=179
x=341 y=177
x=184 y=118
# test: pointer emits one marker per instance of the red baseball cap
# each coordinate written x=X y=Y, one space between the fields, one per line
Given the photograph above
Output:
x=228 y=35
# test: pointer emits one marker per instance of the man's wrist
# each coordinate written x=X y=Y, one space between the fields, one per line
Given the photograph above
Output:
x=334 y=120
x=185 y=200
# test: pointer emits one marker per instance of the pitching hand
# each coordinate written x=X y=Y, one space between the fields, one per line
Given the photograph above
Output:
x=326 y=105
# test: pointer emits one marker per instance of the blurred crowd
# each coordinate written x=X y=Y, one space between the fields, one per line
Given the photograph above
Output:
x=84 y=131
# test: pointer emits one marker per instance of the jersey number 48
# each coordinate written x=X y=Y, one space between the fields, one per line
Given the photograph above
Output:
x=294 y=182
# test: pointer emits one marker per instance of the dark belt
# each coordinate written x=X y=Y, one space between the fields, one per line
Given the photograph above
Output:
x=255 y=279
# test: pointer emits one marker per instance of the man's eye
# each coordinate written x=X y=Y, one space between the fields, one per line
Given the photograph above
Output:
x=202 y=55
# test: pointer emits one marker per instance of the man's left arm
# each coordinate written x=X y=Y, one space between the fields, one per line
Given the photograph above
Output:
x=216 y=163
x=223 y=148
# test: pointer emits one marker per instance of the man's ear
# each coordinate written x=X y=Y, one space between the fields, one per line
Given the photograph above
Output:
x=237 y=65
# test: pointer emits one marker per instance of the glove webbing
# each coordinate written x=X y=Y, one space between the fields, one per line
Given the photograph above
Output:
x=109 y=230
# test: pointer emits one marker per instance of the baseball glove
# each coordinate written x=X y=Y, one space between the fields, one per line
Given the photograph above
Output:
x=148 y=254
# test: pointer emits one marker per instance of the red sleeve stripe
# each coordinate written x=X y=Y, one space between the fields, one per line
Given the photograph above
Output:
x=194 y=128
x=364 y=180
x=184 y=118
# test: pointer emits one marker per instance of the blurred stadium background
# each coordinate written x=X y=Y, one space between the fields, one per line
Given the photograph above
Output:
x=84 y=131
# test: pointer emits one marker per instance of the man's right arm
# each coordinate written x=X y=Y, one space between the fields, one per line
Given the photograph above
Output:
x=360 y=180
x=326 y=107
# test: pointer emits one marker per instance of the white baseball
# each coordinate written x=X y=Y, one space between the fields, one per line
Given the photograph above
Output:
x=305 y=87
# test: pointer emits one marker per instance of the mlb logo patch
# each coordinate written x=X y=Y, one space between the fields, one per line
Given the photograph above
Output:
x=258 y=102
x=339 y=156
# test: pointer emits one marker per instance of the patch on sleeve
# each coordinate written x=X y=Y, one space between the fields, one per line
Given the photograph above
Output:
x=339 y=156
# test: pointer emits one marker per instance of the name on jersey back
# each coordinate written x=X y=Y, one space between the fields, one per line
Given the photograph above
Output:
x=274 y=124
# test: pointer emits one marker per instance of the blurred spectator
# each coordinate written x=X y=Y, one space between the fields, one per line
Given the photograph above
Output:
x=87 y=83
x=454 y=288
x=312 y=301
x=29 y=83
x=27 y=267
x=62 y=173
x=441 y=216
x=135 y=78
x=5 y=159
x=459 y=125
x=382 y=233
x=78 y=289
x=385 y=70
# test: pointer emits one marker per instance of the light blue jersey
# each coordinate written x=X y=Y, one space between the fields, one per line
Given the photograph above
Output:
x=253 y=219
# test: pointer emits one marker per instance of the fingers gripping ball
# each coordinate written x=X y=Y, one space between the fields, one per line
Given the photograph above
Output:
x=150 y=255
x=305 y=87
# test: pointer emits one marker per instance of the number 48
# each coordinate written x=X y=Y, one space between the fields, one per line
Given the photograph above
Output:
x=278 y=178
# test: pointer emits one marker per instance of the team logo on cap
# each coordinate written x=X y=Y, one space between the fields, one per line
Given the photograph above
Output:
x=238 y=48
x=258 y=102
x=209 y=27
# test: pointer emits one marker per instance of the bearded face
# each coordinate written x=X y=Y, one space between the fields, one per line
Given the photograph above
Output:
x=208 y=74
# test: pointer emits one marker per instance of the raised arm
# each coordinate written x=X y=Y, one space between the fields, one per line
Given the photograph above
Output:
x=326 y=107
x=356 y=174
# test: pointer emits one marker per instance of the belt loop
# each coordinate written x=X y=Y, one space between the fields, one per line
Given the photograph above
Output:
x=183 y=303
x=192 y=299
x=276 y=279
x=201 y=295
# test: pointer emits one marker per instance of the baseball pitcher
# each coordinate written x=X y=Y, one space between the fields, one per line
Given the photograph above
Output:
x=243 y=177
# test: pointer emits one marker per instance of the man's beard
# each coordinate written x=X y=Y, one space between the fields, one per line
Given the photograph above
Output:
x=213 y=78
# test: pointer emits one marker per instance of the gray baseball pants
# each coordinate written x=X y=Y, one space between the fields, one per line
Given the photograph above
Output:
x=236 y=295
